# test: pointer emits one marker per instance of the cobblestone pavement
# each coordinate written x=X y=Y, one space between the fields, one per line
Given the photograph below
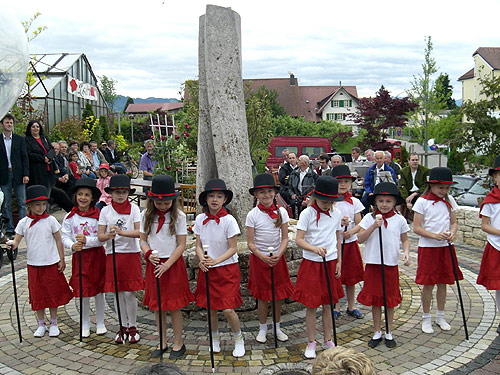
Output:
x=416 y=353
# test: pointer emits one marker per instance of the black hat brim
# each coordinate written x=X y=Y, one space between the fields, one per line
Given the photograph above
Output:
x=203 y=196
x=110 y=190
x=95 y=190
x=327 y=198
x=493 y=170
x=162 y=199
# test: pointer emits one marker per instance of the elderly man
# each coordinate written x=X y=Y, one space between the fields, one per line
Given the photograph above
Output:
x=391 y=163
x=323 y=169
x=96 y=155
x=283 y=174
x=300 y=183
x=370 y=155
x=147 y=164
x=413 y=180
x=336 y=160
x=375 y=175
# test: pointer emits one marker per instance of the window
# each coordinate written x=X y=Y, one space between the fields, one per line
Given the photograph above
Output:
x=341 y=103
x=334 y=103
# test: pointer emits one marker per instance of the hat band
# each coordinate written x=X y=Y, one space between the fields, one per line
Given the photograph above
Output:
x=497 y=167
x=41 y=198
x=386 y=193
x=441 y=182
x=327 y=195
x=150 y=194
x=263 y=186
x=119 y=187
x=345 y=176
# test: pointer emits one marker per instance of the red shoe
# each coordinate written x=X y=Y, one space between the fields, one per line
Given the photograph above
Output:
x=133 y=335
x=118 y=338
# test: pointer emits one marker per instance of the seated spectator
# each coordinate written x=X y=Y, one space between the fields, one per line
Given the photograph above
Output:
x=96 y=156
x=102 y=183
x=73 y=165
x=73 y=145
x=356 y=155
x=391 y=163
x=370 y=155
x=63 y=149
x=64 y=178
x=85 y=162
x=323 y=168
x=374 y=175
x=336 y=160
x=113 y=158
x=340 y=360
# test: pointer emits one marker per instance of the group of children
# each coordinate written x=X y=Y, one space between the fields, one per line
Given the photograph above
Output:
x=328 y=232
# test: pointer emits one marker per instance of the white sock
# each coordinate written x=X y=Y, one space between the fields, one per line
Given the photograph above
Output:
x=277 y=326
x=131 y=306
x=388 y=335
x=426 y=316
x=85 y=312
x=123 y=309
x=42 y=322
x=497 y=298
x=215 y=334
x=440 y=314
x=99 y=310
x=237 y=335
x=263 y=327
x=377 y=335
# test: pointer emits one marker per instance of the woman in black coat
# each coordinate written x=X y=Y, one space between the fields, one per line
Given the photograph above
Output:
x=40 y=155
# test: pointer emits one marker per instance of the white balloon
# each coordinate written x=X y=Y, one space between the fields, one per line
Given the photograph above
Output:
x=14 y=60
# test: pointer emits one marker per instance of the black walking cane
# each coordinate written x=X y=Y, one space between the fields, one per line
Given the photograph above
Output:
x=459 y=292
x=10 y=254
x=209 y=315
x=160 y=316
x=81 y=293
x=270 y=249
x=383 y=274
x=116 y=291
x=331 y=301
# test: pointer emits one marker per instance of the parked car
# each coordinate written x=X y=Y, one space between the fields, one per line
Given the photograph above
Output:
x=471 y=197
x=463 y=184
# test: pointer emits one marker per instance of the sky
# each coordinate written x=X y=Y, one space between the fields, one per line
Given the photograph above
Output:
x=150 y=47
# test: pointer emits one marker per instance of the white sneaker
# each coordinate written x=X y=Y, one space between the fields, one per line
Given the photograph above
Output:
x=216 y=343
x=101 y=330
x=443 y=324
x=310 y=350
x=85 y=332
x=262 y=336
x=40 y=331
x=239 y=347
x=328 y=344
x=54 y=330
x=280 y=335
x=427 y=326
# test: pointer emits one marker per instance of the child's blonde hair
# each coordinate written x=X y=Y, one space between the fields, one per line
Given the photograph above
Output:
x=313 y=199
x=340 y=361
x=151 y=212
x=428 y=189
x=279 y=220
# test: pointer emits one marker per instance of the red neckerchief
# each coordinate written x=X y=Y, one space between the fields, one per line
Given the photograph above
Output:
x=122 y=208
x=319 y=212
x=222 y=212
x=37 y=218
x=492 y=197
x=389 y=214
x=269 y=210
x=92 y=212
x=161 y=218
x=433 y=197
x=348 y=197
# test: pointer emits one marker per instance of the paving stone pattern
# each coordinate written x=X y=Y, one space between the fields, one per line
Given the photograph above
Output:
x=416 y=353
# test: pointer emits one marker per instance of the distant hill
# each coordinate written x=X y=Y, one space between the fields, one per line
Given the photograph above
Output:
x=121 y=100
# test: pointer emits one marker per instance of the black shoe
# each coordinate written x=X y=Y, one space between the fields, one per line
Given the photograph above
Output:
x=374 y=342
x=157 y=352
x=176 y=354
x=390 y=343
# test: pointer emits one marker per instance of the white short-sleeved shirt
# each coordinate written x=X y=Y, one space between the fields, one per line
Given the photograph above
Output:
x=216 y=236
x=436 y=219
x=492 y=210
x=77 y=224
x=126 y=222
x=266 y=234
x=349 y=210
x=164 y=242
x=40 y=243
x=391 y=237
x=324 y=234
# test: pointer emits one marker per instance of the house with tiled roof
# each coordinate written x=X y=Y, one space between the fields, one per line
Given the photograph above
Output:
x=313 y=103
x=145 y=108
x=486 y=65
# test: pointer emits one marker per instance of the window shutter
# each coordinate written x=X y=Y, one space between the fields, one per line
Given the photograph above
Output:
x=335 y=116
x=331 y=104
x=341 y=102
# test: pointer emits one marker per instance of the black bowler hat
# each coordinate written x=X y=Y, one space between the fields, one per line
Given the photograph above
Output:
x=162 y=189
x=88 y=183
x=327 y=189
x=496 y=167
x=215 y=184
x=119 y=181
x=386 y=188
x=263 y=180
x=440 y=175
x=37 y=193
x=342 y=171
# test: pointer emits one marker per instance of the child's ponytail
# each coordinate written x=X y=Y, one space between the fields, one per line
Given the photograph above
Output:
x=279 y=220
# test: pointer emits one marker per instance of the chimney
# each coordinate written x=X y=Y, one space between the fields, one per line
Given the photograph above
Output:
x=292 y=79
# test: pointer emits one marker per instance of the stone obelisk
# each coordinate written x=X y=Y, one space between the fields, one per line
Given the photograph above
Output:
x=223 y=149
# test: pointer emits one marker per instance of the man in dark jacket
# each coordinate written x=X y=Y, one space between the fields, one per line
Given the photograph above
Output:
x=14 y=171
x=413 y=180
x=300 y=183
x=284 y=172
x=113 y=158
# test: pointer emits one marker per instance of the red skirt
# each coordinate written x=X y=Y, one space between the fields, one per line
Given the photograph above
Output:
x=352 y=264
x=174 y=287
x=489 y=273
x=434 y=266
x=93 y=272
x=224 y=287
x=259 y=280
x=372 y=293
x=128 y=273
x=47 y=287
x=311 y=288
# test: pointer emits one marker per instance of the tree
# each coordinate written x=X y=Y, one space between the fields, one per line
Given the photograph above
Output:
x=108 y=89
x=444 y=91
x=27 y=26
x=378 y=114
x=190 y=112
x=129 y=101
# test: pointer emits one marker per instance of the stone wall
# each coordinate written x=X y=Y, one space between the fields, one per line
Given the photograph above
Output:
x=469 y=227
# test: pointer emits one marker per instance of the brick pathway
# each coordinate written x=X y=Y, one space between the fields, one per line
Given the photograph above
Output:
x=416 y=353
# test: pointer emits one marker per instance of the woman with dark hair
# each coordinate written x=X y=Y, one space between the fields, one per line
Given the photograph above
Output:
x=40 y=156
x=85 y=161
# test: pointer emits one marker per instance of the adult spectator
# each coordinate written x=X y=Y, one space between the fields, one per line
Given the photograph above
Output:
x=370 y=155
x=14 y=171
x=391 y=163
x=323 y=168
x=147 y=164
x=300 y=183
x=102 y=147
x=284 y=154
x=96 y=156
x=85 y=162
x=413 y=180
x=64 y=178
x=375 y=175
x=63 y=150
x=111 y=155
x=336 y=160
x=356 y=154
x=41 y=156
x=74 y=145
x=284 y=173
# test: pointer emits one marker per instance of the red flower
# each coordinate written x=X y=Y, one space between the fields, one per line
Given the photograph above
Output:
x=162 y=138
x=177 y=137
x=187 y=135
x=169 y=167
x=187 y=126
x=152 y=137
